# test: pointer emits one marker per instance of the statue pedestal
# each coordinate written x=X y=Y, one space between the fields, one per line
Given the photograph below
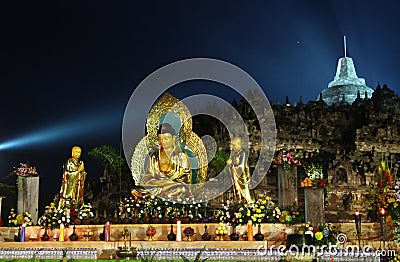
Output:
x=314 y=205
x=28 y=196
x=287 y=186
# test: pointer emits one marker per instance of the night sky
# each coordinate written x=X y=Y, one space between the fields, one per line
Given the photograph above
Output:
x=68 y=68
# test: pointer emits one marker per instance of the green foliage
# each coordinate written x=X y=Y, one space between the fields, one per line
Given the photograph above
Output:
x=115 y=163
x=197 y=258
x=218 y=163
x=396 y=231
x=110 y=158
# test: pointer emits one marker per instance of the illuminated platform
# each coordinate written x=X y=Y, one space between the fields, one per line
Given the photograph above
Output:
x=275 y=234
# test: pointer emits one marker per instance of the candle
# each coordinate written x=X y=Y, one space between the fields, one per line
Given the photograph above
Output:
x=178 y=231
x=61 y=237
x=22 y=236
x=250 y=236
x=382 y=221
x=107 y=234
x=357 y=219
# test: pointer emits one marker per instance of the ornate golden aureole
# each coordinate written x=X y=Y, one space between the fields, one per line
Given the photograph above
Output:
x=160 y=112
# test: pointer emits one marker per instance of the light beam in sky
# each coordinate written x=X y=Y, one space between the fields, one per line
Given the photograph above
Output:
x=96 y=123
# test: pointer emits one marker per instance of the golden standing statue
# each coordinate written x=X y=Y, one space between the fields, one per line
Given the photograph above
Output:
x=240 y=172
x=73 y=182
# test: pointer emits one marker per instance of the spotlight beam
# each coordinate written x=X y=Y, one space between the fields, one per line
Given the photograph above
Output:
x=98 y=121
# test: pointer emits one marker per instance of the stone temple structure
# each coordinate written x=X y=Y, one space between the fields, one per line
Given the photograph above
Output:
x=348 y=139
x=346 y=84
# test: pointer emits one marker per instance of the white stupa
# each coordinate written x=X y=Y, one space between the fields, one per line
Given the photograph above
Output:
x=346 y=84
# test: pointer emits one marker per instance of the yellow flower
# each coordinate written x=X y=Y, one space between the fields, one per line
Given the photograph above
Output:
x=319 y=235
x=20 y=219
x=383 y=165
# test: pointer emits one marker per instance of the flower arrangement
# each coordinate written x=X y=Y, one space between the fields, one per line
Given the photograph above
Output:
x=304 y=228
x=48 y=220
x=287 y=216
x=287 y=159
x=383 y=193
x=62 y=216
x=396 y=231
x=194 y=210
x=156 y=207
x=53 y=217
x=16 y=220
x=25 y=170
x=262 y=211
x=150 y=205
x=128 y=206
x=233 y=213
x=325 y=234
x=315 y=177
x=85 y=212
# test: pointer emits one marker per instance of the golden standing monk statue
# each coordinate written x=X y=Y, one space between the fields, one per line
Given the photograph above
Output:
x=168 y=168
x=73 y=182
x=239 y=171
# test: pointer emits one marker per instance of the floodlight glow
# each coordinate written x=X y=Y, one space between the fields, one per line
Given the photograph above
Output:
x=84 y=125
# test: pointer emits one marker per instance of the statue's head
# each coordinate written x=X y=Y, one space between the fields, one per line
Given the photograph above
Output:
x=236 y=144
x=76 y=152
x=166 y=136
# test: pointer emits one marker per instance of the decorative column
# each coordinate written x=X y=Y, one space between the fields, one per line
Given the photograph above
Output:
x=314 y=205
x=1 y=204
x=28 y=196
x=287 y=185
